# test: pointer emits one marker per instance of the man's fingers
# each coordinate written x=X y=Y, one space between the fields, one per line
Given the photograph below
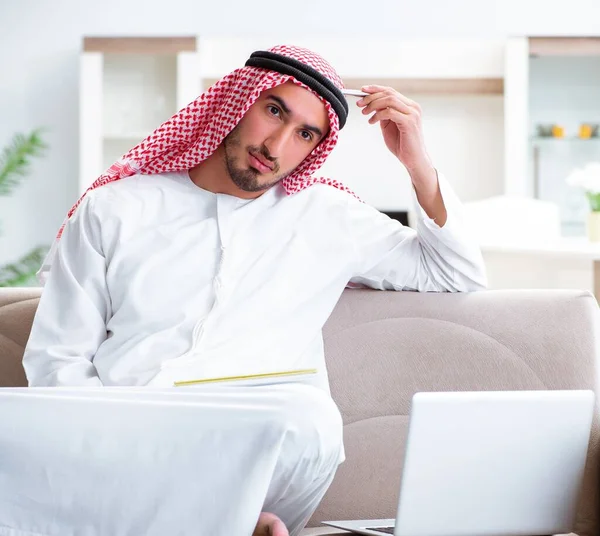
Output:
x=386 y=101
x=388 y=113
x=375 y=89
x=373 y=96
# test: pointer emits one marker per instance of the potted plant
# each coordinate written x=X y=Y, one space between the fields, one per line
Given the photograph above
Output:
x=15 y=162
x=588 y=179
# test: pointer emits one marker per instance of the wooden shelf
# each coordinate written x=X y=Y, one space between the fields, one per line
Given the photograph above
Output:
x=438 y=86
x=564 y=46
x=427 y=86
x=139 y=45
x=565 y=139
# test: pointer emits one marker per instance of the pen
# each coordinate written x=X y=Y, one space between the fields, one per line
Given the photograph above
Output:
x=247 y=377
x=354 y=92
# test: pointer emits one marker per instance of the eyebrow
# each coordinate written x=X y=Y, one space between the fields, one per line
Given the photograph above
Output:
x=289 y=112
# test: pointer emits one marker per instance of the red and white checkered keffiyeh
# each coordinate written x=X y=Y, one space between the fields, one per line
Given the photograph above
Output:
x=195 y=132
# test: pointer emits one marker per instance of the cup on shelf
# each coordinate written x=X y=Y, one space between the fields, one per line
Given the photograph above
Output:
x=588 y=130
x=558 y=131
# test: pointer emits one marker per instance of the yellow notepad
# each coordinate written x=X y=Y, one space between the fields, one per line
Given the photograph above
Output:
x=247 y=377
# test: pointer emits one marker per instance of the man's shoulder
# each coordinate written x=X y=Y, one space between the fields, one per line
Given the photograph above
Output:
x=128 y=191
x=323 y=196
x=327 y=194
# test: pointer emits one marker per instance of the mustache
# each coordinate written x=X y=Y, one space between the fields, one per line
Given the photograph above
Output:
x=263 y=151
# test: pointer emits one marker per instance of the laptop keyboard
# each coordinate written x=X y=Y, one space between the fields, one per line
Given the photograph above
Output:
x=385 y=530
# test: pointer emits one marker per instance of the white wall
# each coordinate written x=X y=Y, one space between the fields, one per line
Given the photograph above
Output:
x=464 y=137
x=40 y=42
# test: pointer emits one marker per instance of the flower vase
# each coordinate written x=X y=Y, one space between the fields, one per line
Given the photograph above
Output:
x=593 y=226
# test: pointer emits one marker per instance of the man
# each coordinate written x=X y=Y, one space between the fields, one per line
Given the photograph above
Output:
x=211 y=250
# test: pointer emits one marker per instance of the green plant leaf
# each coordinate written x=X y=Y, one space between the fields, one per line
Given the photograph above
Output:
x=15 y=162
x=22 y=273
x=594 y=201
x=15 y=159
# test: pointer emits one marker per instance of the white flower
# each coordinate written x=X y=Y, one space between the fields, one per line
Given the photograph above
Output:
x=587 y=178
x=575 y=178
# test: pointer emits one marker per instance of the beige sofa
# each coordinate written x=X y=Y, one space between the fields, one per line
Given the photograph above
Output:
x=384 y=346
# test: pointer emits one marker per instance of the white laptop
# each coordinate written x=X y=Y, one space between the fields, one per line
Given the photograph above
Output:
x=505 y=463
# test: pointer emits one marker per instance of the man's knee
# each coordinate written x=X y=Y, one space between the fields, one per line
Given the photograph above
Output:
x=313 y=420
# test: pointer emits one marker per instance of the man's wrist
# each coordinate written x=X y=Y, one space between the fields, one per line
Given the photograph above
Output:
x=424 y=176
x=426 y=185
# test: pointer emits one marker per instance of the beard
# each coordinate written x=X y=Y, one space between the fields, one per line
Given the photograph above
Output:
x=246 y=179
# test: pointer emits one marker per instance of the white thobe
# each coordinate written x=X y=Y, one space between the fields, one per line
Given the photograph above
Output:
x=156 y=280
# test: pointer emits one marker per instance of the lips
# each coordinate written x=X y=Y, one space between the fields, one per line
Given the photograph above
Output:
x=258 y=162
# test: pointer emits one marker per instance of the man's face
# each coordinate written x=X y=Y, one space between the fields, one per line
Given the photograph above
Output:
x=275 y=135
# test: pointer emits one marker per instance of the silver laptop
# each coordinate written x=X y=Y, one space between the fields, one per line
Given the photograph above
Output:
x=490 y=463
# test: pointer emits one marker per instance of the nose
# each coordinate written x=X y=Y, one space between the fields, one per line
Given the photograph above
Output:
x=277 y=141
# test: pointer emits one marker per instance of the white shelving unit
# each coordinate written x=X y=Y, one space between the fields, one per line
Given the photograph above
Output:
x=551 y=80
x=128 y=87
